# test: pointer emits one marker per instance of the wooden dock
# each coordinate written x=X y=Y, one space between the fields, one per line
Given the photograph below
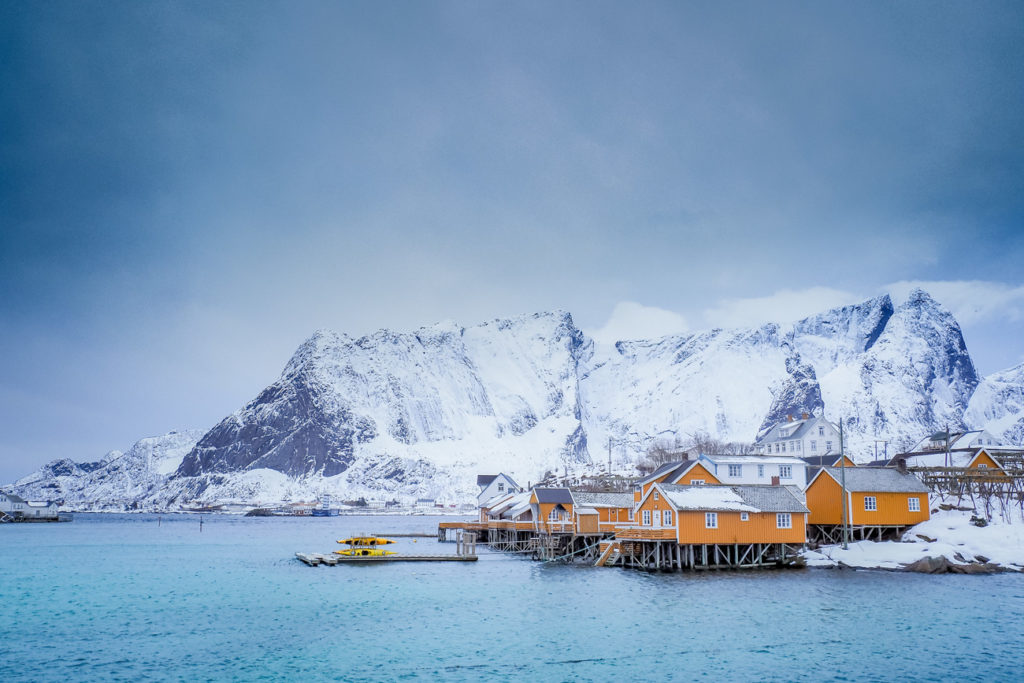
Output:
x=330 y=559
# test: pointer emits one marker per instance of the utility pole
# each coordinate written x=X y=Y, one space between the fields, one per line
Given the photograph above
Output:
x=609 y=456
x=842 y=476
x=947 y=445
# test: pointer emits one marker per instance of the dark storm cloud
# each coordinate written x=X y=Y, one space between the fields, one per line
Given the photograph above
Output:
x=188 y=189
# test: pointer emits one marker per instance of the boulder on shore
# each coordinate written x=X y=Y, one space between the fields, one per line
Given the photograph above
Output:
x=942 y=565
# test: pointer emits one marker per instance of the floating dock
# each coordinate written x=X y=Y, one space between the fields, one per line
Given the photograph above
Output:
x=314 y=559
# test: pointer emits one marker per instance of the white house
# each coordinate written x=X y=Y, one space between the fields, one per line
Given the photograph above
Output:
x=12 y=505
x=804 y=437
x=957 y=441
x=38 y=509
x=784 y=470
x=492 y=485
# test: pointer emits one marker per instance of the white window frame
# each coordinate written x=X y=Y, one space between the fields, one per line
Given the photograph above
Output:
x=760 y=471
x=814 y=446
x=828 y=446
x=982 y=466
x=870 y=503
x=785 y=471
x=655 y=495
x=710 y=520
x=646 y=518
x=913 y=504
x=697 y=482
x=744 y=516
x=784 y=520
x=666 y=518
x=735 y=470
x=821 y=431
x=631 y=515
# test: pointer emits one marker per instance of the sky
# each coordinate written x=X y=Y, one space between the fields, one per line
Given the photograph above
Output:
x=189 y=189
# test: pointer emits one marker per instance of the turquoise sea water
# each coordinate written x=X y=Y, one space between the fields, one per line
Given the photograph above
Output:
x=123 y=597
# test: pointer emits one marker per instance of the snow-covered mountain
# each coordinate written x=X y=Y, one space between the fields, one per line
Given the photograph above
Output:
x=119 y=481
x=401 y=415
x=998 y=405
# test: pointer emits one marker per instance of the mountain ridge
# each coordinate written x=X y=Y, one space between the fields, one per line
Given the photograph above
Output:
x=419 y=413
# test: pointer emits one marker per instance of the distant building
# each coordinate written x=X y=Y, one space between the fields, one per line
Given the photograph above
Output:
x=14 y=507
x=780 y=470
x=804 y=437
x=493 y=485
x=956 y=441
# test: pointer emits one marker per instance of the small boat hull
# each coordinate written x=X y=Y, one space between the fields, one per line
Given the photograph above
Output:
x=363 y=552
x=366 y=540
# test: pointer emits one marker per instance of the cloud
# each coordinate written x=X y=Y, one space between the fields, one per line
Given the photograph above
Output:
x=970 y=301
x=630 y=320
x=782 y=306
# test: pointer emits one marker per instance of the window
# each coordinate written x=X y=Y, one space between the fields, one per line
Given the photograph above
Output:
x=785 y=471
x=791 y=447
x=735 y=470
x=555 y=515
x=711 y=520
x=982 y=466
x=914 y=504
x=647 y=518
x=784 y=520
x=828 y=445
x=697 y=482
x=760 y=470
x=776 y=448
x=870 y=503
x=655 y=495
x=814 y=446
x=632 y=514
x=798 y=444
x=501 y=487
x=666 y=518
x=821 y=431
x=744 y=516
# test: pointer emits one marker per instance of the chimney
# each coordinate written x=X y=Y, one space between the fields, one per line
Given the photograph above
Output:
x=901 y=465
x=804 y=415
x=775 y=481
x=789 y=418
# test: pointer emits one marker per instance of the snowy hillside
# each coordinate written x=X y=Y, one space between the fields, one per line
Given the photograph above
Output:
x=118 y=481
x=420 y=414
x=998 y=405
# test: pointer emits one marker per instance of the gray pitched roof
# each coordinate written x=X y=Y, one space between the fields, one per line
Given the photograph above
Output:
x=878 y=480
x=484 y=480
x=822 y=460
x=618 y=500
x=13 y=498
x=763 y=498
x=559 y=495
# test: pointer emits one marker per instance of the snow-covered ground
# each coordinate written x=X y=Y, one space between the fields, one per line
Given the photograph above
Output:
x=955 y=538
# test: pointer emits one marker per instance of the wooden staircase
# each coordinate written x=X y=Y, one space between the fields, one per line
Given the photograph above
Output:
x=609 y=555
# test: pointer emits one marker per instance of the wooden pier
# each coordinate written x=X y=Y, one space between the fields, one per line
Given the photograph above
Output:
x=314 y=559
x=465 y=551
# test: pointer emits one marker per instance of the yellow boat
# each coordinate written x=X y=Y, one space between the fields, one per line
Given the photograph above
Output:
x=363 y=552
x=365 y=540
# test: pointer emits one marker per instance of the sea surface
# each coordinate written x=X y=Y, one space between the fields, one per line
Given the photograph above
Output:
x=142 y=597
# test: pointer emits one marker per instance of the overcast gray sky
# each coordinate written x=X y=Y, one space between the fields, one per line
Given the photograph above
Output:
x=188 y=190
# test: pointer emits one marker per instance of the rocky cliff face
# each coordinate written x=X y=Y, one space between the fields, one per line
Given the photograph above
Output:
x=421 y=413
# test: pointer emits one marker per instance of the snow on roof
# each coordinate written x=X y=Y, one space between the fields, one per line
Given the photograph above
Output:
x=733 y=498
x=14 y=499
x=520 y=504
x=756 y=459
x=938 y=459
x=497 y=501
x=584 y=511
x=613 y=500
x=877 y=480
x=553 y=495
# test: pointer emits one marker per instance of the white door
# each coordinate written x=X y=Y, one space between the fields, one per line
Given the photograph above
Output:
x=657 y=519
